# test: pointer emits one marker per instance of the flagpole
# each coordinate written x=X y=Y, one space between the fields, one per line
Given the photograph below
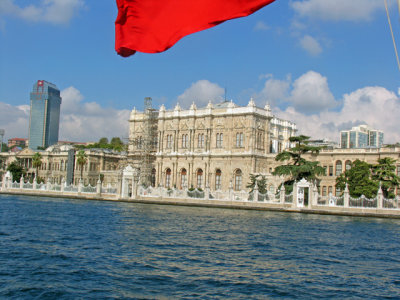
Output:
x=391 y=31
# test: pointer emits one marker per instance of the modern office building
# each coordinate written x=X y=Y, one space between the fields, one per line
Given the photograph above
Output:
x=45 y=115
x=361 y=137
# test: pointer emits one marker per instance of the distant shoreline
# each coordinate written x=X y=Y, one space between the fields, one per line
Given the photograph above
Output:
x=260 y=206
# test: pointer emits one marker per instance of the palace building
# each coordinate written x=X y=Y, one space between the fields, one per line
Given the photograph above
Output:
x=218 y=146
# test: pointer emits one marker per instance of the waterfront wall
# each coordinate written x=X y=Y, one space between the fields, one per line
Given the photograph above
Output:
x=344 y=205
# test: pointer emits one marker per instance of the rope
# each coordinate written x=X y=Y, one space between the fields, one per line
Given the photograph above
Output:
x=391 y=31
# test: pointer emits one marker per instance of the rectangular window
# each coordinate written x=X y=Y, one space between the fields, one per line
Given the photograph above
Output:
x=329 y=190
x=324 y=191
x=239 y=140
x=219 y=140
x=200 y=140
x=199 y=180
x=169 y=141
x=218 y=182
x=330 y=170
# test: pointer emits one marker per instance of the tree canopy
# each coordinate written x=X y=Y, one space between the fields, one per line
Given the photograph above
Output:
x=115 y=144
x=364 y=178
x=16 y=170
x=298 y=167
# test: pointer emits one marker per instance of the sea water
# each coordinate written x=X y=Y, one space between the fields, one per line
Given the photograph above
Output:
x=54 y=248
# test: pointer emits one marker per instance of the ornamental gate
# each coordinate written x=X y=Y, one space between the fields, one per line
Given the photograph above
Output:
x=303 y=193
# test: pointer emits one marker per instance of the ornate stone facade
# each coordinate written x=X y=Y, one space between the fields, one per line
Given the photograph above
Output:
x=59 y=162
x=217 y=146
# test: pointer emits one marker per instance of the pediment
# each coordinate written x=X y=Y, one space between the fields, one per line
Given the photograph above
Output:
x=239 y=124
x=26 y=151
x=184 y=126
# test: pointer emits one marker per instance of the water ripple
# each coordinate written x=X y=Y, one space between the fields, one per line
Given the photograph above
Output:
x=67 y=249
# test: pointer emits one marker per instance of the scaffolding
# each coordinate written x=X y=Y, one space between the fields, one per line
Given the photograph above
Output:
x=148 y=143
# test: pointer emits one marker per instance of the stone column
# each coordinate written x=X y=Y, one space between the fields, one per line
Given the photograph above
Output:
x=98 y=187
x=48 y=184
x=207 y=192
x=346 y=197
x=80 y=185
x=282 y=194
x=294 y=203
x=231 y=190
x=21 y=183
x=255 y=192
x=379 y=204
x=315 y=195
x=62 y=185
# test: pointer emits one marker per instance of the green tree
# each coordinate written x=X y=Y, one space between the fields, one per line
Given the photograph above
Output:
x=261 y=183
x=117 y=144
x=385 y=173
x=37 y=162
x=297 y=167
x=16 y=170
x=81 y=159
x=103 y=141
x=359 y=180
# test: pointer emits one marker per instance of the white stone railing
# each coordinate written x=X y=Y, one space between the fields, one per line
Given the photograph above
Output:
x=62 y=189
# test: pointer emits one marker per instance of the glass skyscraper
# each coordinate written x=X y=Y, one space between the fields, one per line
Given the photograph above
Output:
x=45 y=115
x=361 y=137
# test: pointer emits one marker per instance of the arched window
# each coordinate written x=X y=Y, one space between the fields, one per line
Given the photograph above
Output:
x=238 y=180
x=199 y=178
x=183 y=179
x=348 y=165
x=218 y=174
x=338 y=168
x=168 y=178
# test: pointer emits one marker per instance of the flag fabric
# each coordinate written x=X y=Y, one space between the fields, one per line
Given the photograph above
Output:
x=153 y=26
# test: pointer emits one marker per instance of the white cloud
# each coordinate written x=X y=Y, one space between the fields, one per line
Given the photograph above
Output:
x=261 y=26
x=338 y=10
x=311 y=93
x=374 y=106
x=88 y=121
x=201 y=92
x=14 y=120
x=274 y=90
x=311 y=45
x=51 y=11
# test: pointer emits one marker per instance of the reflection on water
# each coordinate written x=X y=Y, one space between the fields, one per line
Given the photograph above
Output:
x=60 y=248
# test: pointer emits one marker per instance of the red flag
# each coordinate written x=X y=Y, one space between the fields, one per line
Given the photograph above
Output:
x=153 y=26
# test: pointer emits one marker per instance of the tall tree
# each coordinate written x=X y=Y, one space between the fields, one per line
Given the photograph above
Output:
x=81 y=160
x=359 y=180
x=297 y=167
x=37 y=162
x=117 y=144
x=16 y=170
x=385 y=173
x=261 y=183
x=103 y=141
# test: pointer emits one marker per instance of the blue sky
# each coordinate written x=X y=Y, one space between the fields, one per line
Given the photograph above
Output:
x=325 y=64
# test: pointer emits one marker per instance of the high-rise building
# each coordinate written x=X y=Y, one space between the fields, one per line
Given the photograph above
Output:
x=361 y=137
x=45 y=115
